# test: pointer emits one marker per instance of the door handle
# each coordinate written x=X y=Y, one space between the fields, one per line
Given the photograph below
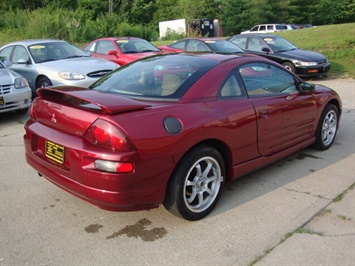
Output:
x=264 y=111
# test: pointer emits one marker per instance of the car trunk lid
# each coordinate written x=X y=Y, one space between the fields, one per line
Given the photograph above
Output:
x=73 y=110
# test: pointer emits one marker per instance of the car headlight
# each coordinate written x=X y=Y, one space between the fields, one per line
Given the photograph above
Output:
x=71 y=75
x=20 y=83
x=302 y=63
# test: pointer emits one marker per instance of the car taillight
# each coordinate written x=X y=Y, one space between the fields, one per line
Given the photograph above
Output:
x=115 y=167
x=106 y=135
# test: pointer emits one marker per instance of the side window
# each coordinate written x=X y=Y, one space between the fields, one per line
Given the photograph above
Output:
x=262 y=79
x=6 y=52
x=104 y=46
x=197 y=46
x=20 y=53
x=270 y=27
x=179 y=45
x=255 y=44
x=240 y=41
x=263 y=27
x=230 y=87
x=90 y=47
x=256 y=28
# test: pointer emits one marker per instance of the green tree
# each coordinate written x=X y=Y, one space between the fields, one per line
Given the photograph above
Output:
x=334 y=11
x=234 y=16
x=142 y=11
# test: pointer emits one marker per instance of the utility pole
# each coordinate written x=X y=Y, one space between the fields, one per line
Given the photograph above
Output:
x=110 y=4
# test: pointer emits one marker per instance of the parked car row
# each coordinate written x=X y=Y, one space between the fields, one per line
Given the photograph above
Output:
x=301 y=62
x=46 y=63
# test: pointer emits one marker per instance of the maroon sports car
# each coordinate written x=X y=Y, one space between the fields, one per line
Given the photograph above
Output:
x=172 y=129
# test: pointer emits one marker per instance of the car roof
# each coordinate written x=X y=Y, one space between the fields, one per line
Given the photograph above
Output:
x=34 y=41
x=261 y=35
x=120 y=38
x=204 y=38
x=220 y=57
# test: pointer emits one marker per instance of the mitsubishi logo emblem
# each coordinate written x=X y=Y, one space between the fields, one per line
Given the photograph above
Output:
x=53 y=119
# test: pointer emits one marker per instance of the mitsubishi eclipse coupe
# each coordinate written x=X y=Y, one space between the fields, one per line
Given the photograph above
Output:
x=173 y=128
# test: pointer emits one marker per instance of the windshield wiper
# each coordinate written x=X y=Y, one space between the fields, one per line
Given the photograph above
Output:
x=73 y=56
x=48 y=60
x=147 y=51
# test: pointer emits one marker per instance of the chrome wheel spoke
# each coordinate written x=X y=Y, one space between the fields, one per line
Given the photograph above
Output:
x=202 y=184
x=329 y=127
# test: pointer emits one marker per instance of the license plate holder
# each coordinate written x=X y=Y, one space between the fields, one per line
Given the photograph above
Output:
x=55 y=152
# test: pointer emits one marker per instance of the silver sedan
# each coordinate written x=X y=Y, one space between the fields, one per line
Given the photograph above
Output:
x=15 y=95
x=53 y=62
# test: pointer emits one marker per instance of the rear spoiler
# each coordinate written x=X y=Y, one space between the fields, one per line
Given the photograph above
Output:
x=90 y=99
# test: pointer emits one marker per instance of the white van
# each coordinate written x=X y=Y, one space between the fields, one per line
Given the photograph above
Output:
x=266 y=28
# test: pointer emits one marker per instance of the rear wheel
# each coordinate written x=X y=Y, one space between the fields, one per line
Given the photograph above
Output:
x=289 y=66
x=196 y=184
x=327 y=127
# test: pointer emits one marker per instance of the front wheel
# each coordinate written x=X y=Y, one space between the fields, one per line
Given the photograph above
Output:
x=289 y=66
x=44 y=82
x=196 y=184
x=327 y=127
x=22 y=111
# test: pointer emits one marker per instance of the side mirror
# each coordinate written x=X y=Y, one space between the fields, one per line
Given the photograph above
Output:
x=266 y=49
x=306 y=87
x=112 y=52
x=7 y=63
x=22 y=61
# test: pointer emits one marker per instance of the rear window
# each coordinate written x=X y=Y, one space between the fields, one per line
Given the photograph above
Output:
x=158 y=77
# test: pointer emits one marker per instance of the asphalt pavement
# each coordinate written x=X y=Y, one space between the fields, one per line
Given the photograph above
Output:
x=297 y=211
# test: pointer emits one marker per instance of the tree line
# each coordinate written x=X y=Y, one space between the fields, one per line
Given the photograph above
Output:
x=80 y=21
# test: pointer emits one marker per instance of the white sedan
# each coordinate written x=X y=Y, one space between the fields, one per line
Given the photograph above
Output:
x=47 y=63
x=15 y=94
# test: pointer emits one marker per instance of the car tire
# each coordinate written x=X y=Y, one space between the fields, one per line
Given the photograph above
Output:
x=327 y=127
x=289 y=66
x=44 y=82
x=196 y=184
x=22 y=111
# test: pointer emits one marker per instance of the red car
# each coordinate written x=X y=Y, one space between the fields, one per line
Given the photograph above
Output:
x=121 y=50
x=173 y=128
x=216 y=45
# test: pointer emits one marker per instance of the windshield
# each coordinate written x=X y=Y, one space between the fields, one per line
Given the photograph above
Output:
x=52 y=51
x=222 y=46
x=159 y=77
x=278 y=44
x=136 y=46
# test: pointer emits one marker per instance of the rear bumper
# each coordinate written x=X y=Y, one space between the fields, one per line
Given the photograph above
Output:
x=109 y=191
x=107 y=200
